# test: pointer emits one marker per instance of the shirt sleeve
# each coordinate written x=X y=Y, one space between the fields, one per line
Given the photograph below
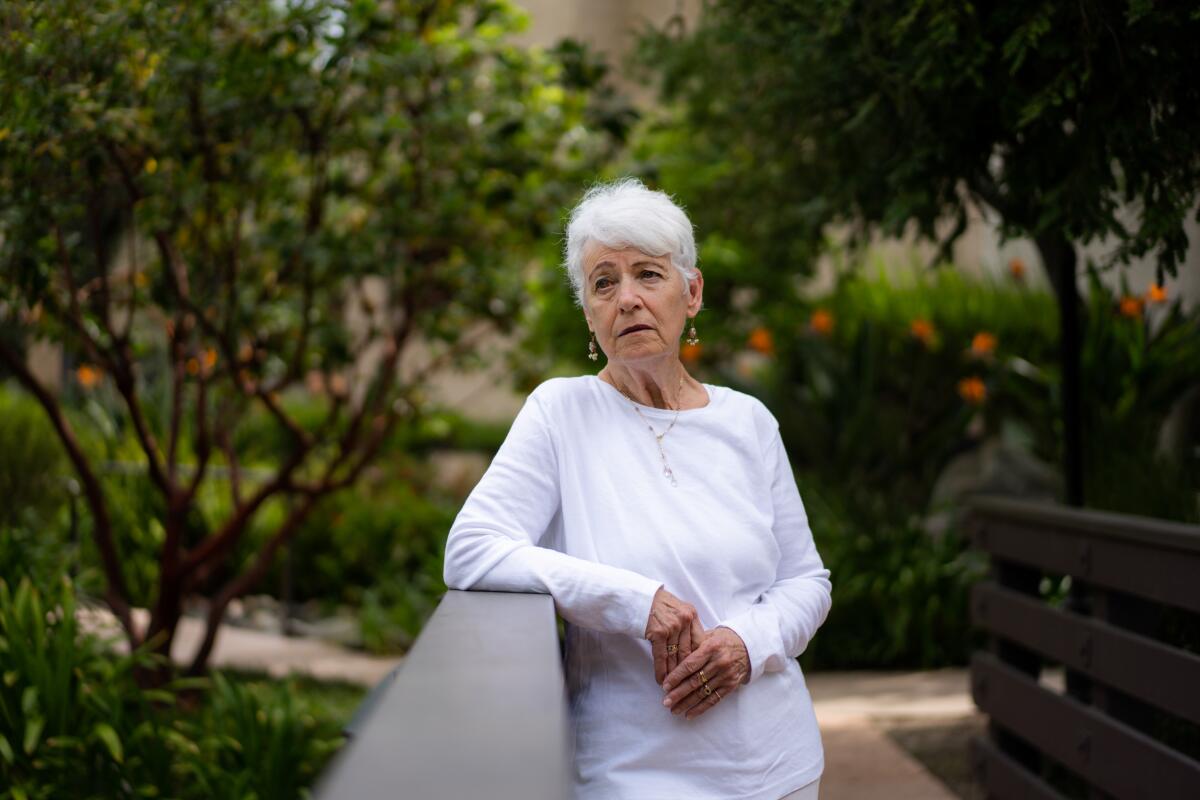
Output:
x=782 y=621
x=493 y=543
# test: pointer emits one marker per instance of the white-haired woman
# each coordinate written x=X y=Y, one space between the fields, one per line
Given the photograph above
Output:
x=662 y=516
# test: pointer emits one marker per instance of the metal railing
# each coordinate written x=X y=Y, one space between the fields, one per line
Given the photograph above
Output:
x=478 y=709
x=1126 y=634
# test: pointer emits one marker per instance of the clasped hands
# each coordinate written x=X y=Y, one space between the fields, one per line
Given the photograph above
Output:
x=696 y=668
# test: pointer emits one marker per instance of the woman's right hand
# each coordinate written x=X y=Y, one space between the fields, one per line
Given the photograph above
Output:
x=672 y=622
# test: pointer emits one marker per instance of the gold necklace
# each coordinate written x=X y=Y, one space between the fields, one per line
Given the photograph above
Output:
x=668 y=473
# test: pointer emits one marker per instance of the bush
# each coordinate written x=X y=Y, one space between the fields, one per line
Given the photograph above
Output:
x=870 y=384
x=899 y=595
x=74 y=722
x=256 y=742
x=32 y=465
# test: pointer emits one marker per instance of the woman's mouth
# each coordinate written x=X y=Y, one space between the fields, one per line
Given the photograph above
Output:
x=634 y=329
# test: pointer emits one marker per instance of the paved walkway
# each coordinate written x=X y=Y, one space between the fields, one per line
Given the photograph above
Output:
x=260 y=651
x=853 y=708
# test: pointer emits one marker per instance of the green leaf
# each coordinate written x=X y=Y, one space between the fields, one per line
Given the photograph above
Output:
x=33 y=732
x=108 y=736
x=29 y=700
x=6 y=750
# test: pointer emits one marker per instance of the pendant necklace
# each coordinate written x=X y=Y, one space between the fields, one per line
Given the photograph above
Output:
x=668 y=473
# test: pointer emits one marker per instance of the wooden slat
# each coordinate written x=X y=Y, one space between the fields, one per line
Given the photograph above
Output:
x=1144 y=531
x=1144 y=668
x=1120 y=760
x=479 y=710
x=1004 y=778
x=1158 y=573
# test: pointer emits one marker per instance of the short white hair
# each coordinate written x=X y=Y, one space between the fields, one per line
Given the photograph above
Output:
x=625 y=213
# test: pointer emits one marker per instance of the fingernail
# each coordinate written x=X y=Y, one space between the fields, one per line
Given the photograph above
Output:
x=667 y=702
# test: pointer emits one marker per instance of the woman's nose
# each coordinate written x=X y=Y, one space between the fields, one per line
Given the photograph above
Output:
x=628 y=296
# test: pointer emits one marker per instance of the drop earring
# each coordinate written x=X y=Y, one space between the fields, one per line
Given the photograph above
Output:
x=592 y=354
x=692 y=339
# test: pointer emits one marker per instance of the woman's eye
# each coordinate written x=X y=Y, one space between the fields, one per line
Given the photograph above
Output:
x=602 y=283
x=649 y=273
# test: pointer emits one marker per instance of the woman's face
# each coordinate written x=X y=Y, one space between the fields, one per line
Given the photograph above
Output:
x=637 y=305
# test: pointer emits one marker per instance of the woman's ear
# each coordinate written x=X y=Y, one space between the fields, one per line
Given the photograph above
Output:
x=695 y=293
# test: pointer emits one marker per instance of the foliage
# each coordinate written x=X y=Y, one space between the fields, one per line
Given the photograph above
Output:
x=1143 y=419
x=875 y=402
x=35 y=515
x=378 y=551
x=31 y=463
x=802 y=114
x=900 y=597
x=212 y=205
x=1073 y=123
x=74 y=722
x=258 y=742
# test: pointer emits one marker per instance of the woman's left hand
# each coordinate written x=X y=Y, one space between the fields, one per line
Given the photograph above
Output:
x=714 y=670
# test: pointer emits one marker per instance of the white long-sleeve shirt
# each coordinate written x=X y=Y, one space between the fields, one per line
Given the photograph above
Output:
x=575 y=504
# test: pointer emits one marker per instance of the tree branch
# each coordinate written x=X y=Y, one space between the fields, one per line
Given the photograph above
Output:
x=117 y=595
x=197 y=563
x=247 y=580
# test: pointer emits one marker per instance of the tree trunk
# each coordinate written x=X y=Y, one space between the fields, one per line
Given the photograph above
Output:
x=1058 y=256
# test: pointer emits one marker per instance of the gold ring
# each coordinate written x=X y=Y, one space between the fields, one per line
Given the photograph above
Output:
x=702 y=678
x=707 y=690
x=718 y=694
x=671 y=648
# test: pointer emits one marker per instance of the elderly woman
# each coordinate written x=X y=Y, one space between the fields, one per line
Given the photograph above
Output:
x=662 y=516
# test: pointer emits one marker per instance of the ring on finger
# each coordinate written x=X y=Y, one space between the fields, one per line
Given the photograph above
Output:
x=702 y=678
x=671 y=648
x=707 y=690
x=718 y=694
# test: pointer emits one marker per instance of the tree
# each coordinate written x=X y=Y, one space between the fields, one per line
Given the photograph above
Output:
x=1072 y=122
x=194 y=198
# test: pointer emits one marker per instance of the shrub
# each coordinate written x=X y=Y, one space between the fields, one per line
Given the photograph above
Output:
x=899 y=596
x=72 y=721
x=874 y=398
x=32 y=465
x=256 y=742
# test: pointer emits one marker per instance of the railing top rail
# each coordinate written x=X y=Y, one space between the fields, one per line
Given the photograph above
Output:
x=478 y=710
x=1106 y=524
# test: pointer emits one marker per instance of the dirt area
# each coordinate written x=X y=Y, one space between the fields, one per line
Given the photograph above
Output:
x=942 y=748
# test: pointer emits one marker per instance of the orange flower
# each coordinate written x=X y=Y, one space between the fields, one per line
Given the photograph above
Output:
x=983 y=344
x=691 y=353
x=88 y=376
x=973 y=390
x=821 y=322
x=922 y=330
x=762 y=341
x=210 y=359
x=1156 y=294
x=1016 y=268
x=1131 y=307
x=193 y=366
